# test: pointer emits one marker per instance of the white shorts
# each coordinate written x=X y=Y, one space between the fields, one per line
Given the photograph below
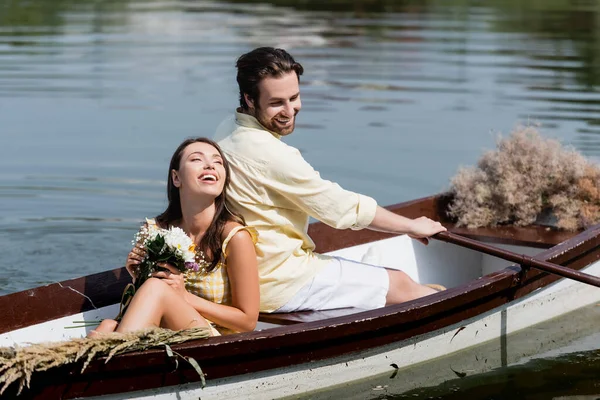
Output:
x=340 y=284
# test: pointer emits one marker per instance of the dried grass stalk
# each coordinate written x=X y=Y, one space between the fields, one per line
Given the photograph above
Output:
x=525 y=175
x=19 y=363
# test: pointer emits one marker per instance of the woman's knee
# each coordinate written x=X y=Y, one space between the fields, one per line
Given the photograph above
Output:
x=152 y=293
x=153 y=287
x=156 y=293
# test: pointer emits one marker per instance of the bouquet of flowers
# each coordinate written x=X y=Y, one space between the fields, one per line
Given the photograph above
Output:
x=171 y=246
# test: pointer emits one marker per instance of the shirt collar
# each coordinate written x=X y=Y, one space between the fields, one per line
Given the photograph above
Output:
x=248 y=121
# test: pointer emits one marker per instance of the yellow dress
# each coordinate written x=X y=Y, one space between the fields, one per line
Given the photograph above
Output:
x=214 y=285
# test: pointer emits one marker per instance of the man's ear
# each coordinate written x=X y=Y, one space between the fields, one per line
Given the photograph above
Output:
x=249 y=101
x=175 y=178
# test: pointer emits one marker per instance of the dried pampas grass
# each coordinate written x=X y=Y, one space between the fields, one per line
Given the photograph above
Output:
x=19 y=363
x=526 y=175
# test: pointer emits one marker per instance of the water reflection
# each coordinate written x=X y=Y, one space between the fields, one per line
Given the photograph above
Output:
x=573 y=375
x=95 y=95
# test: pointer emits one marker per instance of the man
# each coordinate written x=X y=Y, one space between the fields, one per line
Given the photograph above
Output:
x=277 y=191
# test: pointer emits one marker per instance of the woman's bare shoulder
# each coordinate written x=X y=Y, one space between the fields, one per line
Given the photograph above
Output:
x=229 y=226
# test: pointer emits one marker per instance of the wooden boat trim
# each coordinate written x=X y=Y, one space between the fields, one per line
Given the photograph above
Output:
x=584 y=244
x=290 y=345
x=434 y=207
x=60 y=299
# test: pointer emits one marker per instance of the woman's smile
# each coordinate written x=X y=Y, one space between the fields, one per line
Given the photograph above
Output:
x=209 y=178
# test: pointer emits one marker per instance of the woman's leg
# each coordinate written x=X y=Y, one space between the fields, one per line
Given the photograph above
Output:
x=106 y=326
x=157 y=304
x=402 y=288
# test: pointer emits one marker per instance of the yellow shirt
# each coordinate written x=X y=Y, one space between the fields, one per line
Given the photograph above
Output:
x=276 y=191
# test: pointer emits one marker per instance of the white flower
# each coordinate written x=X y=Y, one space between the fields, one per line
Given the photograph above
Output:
x=152 y=232
x=146 y=234
x=179 y=241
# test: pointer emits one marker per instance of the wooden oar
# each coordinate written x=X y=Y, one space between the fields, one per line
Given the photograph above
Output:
x=521 y=259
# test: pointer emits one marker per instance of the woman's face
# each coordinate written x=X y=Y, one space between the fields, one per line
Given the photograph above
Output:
x=201 y=171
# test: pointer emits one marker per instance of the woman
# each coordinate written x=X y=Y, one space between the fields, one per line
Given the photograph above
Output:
x=225 y=291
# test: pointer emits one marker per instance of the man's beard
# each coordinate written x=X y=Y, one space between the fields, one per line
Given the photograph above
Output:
x=272 y=125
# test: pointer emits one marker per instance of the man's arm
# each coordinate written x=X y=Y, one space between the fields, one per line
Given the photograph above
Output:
x=419 y=228
x=326 y=201
x=290 y=176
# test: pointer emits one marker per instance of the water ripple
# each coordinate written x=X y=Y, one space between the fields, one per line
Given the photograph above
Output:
x=95 y=95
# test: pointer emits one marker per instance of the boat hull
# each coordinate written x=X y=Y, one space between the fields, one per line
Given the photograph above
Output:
x=493 y=339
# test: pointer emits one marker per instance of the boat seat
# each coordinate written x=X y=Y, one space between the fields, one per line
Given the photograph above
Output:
x=305 y=316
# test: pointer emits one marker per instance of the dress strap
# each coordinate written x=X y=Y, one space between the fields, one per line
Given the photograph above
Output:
x=151 y=222
x=251 y=230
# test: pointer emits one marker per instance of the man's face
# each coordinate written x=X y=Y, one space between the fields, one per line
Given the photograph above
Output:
x=278 y=103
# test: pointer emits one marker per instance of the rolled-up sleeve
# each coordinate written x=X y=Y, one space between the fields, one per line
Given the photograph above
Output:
x=367 y=206
x=296 y=180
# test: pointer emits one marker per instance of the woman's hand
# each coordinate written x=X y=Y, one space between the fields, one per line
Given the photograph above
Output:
x=173 y=277
x=134 y=258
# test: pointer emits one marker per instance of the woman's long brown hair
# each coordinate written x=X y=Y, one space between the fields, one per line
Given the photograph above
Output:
x=211 y=242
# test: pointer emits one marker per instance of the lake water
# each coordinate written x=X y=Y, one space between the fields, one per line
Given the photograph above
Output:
x=397 y=95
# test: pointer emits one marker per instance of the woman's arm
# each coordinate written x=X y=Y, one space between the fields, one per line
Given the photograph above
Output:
x=242 y=271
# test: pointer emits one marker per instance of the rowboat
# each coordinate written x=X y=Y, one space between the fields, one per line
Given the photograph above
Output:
x=489 y=301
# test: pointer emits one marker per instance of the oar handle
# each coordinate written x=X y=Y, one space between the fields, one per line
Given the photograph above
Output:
x=521 y=259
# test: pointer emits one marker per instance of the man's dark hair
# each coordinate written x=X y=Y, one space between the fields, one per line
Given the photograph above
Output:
x=261 y=63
